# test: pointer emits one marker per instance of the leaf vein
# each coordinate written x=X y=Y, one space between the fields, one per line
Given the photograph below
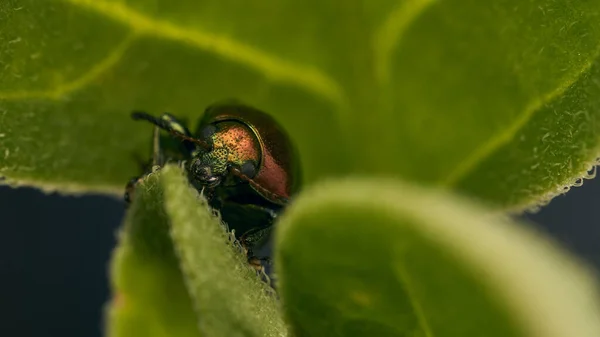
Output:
x=493 y=144
x=304 y=76
x=389 y=35
x=419 y=312
x=60 y=90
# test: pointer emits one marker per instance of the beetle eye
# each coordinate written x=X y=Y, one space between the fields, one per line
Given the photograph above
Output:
x=208 y=131
x=248 y=169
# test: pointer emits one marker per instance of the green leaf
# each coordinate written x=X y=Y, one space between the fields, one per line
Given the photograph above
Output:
x=374 y=257
x=150 y=298
x=176 y=273
x=497 y=100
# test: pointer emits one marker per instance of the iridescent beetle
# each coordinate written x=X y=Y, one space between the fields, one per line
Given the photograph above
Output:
x=241 y=159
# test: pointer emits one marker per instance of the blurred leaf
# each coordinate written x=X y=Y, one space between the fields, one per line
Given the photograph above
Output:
x=379 y=258
x=151 y=294
x=499 y=100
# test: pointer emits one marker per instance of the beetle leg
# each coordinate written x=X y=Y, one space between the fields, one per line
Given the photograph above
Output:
x=158 y=158
x=157 y=161
x=254 y=237
x=129 y=190
x=157 y=153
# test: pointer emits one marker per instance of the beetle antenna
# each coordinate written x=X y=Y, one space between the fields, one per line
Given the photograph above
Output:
x=161 y=123
x=236 y=172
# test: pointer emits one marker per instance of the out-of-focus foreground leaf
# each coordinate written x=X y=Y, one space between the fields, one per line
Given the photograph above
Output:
x=496 y=99
x=380 y=258
x=170 y=229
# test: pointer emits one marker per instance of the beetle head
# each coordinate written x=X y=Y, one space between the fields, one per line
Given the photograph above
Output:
x=209 y=168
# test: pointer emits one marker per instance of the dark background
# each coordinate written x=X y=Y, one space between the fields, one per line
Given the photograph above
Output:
x=54 y=254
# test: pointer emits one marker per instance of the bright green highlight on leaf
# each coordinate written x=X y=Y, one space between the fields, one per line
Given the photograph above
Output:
x=369 y=257
x=150 y=298
x=170 y=229
x=229 y=297
x=497 y=100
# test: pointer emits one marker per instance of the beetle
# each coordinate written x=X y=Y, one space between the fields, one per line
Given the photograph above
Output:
x=240 y=158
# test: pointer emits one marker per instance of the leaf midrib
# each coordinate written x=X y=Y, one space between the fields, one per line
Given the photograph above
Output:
x=61 y=89
x=415 y=302
x=307 y=77
x=389 y=34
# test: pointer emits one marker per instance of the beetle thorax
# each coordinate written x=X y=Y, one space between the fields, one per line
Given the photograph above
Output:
x=239 y=141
